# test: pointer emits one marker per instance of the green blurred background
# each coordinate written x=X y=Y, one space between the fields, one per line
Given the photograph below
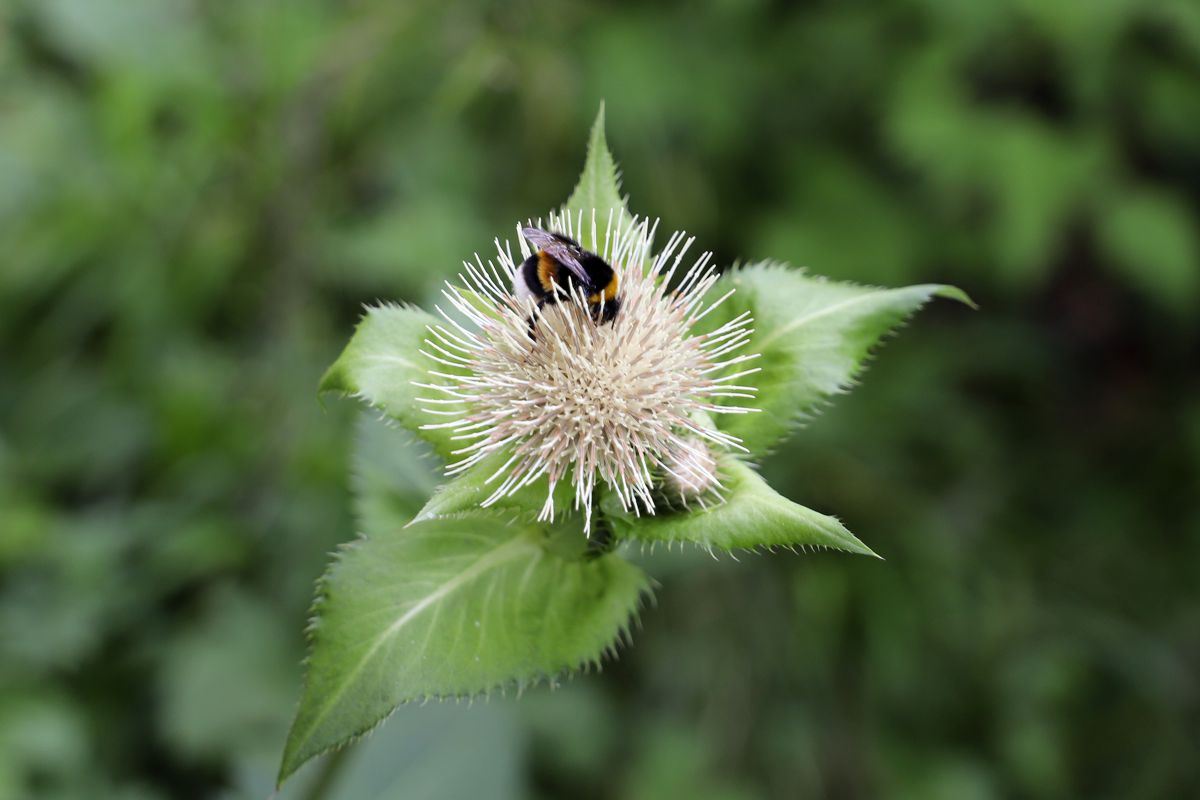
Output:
x=197 y=198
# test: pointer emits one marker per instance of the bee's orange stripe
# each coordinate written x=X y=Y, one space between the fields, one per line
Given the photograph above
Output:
x=547 y=270
x=609 y=292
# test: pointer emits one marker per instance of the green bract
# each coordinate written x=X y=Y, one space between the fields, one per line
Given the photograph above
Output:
x=812 y=336
x=460 y=600
x=451 y=607
x=753 y=515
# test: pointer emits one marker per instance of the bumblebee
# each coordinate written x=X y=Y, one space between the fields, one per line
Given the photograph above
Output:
x=560 y=268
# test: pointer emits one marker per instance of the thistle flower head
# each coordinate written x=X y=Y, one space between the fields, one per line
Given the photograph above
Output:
x=564 y=394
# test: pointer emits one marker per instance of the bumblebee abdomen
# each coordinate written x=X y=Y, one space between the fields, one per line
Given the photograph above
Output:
x=545 y=276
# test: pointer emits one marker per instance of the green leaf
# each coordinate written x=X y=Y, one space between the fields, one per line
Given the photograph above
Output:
x=465 y=492
x=812 y=336
x=450 y=608
x=383 y=362
x=599 y=190
x=752 y=515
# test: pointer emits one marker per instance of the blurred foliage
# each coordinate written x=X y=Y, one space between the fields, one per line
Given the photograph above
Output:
x=198 y=197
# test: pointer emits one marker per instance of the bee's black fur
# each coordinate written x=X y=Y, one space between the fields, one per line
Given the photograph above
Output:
x=598 y=271
x=599 y=275
x=607 y=311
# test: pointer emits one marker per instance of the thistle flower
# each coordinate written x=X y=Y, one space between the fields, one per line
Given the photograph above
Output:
x=620 y=405
x=568 y=397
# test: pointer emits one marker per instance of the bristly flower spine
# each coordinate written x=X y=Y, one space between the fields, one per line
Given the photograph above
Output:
x=561 y=393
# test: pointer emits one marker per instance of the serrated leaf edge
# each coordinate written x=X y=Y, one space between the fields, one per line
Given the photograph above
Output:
x=801 y=418
x=715 y=550
x=597 y=150
x=609 y=653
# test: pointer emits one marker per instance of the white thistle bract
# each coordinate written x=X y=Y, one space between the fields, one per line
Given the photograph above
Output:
x=562 y=395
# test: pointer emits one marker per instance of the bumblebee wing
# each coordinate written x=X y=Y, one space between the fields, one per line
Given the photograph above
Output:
x=539 y=238
x=561 y=251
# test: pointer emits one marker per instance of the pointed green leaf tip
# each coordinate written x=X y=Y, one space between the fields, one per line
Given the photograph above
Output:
x=451 y=608
x=382 y=365
x=598 y=190
x=752 y=515
x=813 y=337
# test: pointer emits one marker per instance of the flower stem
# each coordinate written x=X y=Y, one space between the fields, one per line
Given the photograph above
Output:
x=602 y=540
